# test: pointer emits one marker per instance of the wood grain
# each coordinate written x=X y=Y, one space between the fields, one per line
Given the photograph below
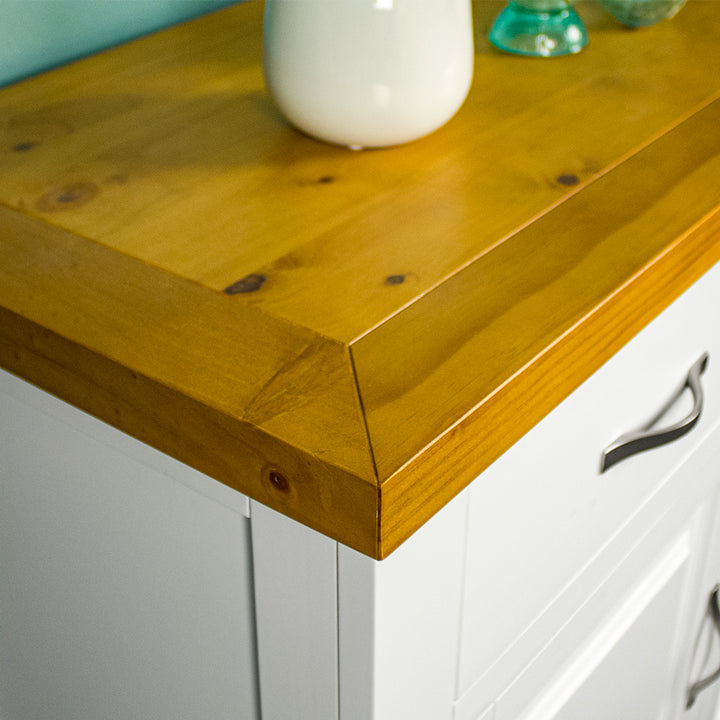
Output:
x=190 y=372
x=638 y=234
x=429 y=480
x=174 y=138
x=347 y=337
x=456 y=345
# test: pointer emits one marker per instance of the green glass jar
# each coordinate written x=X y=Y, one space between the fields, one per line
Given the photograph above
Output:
x=539 y=28
x=639 y=13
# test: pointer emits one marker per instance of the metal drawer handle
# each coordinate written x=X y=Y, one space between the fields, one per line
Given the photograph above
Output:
x=644 y=437
x=697 y=687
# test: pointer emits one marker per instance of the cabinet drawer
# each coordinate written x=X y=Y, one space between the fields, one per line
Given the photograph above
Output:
x=624 y=667
x=545 y=525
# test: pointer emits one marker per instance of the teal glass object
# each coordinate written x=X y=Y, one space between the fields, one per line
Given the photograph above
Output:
x=639 y=13
x=539 y=28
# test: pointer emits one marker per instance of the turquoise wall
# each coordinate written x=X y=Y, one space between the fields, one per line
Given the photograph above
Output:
x=38 y=34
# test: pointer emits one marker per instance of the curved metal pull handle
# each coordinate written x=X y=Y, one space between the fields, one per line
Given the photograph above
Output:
x=697 y=687
x=644 y=437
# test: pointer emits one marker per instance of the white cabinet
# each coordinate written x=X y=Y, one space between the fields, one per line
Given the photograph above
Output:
x=622 y=654
x=132 y=586
x=125 y=577
x=547 y=530
x=700 y=659
x=624 y=668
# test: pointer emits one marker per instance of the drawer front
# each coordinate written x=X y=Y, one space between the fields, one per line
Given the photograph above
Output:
x=624 y=667
x=545 y=525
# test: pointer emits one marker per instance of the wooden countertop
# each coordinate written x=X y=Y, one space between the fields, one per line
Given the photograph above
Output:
x=349 y=338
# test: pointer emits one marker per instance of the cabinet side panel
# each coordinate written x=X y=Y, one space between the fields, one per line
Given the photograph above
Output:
x=85 y=424
x=398 y=622
x=296 y=600
x=124 y=594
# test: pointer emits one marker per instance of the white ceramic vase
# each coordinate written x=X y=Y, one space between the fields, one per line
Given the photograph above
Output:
x=368 y=73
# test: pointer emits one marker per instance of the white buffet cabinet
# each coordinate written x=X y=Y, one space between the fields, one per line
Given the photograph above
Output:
x=133 y=587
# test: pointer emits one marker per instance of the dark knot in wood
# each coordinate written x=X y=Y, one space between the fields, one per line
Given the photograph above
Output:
x=568 y=179
x=68 y=196
x=250 y=283
x=395 y=280
x=279 y=482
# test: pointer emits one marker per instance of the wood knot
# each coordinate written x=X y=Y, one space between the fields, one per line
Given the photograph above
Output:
x=313 y=181
x=250 y=283
x=568 y=179
x=395 y=280
x=67 y=197
x=279 y=482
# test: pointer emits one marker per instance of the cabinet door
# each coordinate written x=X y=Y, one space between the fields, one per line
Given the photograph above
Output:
x=698 y=698
x=624 y=668
x=700 y=660
x=124 y=593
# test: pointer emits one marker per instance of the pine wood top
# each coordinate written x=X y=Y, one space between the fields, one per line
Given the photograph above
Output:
x=347 y=337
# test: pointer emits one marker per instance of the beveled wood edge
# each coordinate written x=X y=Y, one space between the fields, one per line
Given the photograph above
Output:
x=373 y=520
x=352 y=510
x=323 y=497
x=420 y=488
x=255 y=367
x=401 y=423
x=59 y=295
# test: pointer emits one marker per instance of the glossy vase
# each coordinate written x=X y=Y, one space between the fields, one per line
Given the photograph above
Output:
x=541 y=28
x=368 y=73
